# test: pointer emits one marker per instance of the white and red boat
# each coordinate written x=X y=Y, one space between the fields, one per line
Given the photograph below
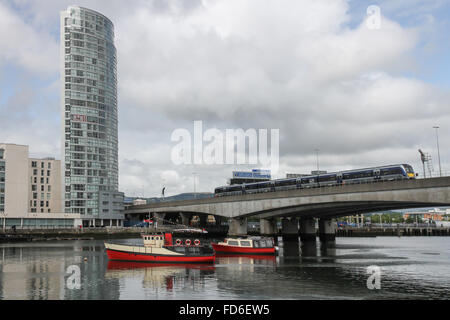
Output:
x=252 y=245
x=160 y=248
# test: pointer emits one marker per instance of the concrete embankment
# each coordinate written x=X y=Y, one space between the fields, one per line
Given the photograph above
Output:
x=73 y=234
x=21 y=235
x=398 y=232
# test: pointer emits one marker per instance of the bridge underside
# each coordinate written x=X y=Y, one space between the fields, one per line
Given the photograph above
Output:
x=321 y=210
x=339 y=209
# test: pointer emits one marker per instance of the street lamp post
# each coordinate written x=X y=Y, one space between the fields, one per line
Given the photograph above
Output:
x=195 y=194
x=439 y=155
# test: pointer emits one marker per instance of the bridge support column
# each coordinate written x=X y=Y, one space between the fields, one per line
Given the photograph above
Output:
x=238 y=227
x=267 y=226
x=203 y=220
x=327 y=230
x=219 y=220
x=307 y=229
x=186 y=218
x=289 y=228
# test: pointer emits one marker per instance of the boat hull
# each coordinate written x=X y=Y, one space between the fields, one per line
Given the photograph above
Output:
x=218 y=248
x=157 y=258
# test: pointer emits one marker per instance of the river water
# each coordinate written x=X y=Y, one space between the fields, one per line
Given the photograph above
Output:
x=405 y=268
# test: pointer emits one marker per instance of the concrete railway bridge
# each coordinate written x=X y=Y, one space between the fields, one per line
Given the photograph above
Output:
x=299 y=208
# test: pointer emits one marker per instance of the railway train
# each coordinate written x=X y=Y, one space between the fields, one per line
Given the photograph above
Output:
x=383 y=173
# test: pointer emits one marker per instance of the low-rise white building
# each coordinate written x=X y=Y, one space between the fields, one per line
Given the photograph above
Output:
x=30 y=191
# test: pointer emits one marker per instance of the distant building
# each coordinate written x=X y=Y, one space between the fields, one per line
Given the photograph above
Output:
x=256 y=175
x=430 y=216
x=296 y=175
x=30 y=190
x=317 y=172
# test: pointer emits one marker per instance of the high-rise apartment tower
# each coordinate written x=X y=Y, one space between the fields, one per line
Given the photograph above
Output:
x=89 y=111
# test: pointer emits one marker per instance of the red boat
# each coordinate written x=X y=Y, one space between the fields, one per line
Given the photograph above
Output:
x=160 y=248
x=253 y=245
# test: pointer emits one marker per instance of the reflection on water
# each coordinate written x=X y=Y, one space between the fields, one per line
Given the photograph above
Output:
x=416 y=268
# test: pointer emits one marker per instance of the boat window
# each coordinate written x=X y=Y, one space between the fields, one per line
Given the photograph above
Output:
x=263 y=243
x=245 y=243
x=233 y=243
x=256 y=243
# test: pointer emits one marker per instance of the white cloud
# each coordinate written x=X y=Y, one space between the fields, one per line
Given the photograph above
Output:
x=24 y=46
x=292 y=65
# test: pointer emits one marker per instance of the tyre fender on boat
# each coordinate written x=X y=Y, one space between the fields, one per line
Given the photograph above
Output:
x=178 y=242
x=197 y=242
x=188 y=242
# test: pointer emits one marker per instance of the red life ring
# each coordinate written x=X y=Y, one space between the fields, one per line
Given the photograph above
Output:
x=197 y=242
x=188 y=242
x=178 y=242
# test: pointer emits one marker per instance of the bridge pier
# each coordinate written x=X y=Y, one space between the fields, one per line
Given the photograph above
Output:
x=219 y=220
x=267 y=226
x=203 y=220
x=238 y=227
x=327 y=230
x=159 y=218
x=289 y=228
x=307 y=229
x=186 y=218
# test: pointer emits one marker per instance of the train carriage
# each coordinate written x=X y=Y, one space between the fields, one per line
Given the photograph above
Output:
x=366 y=175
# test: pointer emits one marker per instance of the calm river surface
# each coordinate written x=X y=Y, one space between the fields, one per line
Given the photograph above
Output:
x=410 y=268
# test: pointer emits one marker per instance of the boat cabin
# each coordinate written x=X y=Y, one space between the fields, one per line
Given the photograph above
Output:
x=250 y=242
x=157 y=240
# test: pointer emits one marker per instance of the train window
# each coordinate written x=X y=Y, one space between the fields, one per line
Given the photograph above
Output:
x=309 y=180
x=358 y=174
x=252 y=186
x=390 y=171
x=327 y=178
x=281 y=183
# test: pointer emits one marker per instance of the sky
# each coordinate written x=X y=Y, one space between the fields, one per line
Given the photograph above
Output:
x=314 y=70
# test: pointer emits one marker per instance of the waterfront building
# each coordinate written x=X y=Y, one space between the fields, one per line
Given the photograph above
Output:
x=30 y=190
x=89 y=112
x=44 y=193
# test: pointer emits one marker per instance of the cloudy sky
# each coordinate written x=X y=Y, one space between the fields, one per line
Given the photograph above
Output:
x=312 y=69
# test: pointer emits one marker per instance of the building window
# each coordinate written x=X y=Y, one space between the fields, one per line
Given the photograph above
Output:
x=34 y=164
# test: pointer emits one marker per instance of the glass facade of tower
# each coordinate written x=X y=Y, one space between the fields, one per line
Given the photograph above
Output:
x=90 y=113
